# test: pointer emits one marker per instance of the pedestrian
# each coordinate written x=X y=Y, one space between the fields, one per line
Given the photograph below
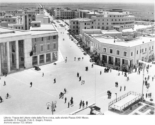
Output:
x=42 y=74
x=7 y=95
x=68 y=104
x=82 y=82
x=124 y=88
x=120 y=88
x=1 y=99
x=4 y=83
x=83 y=104
x=65 y=99
x=92 y=65
x=80 y=78
x=86 y=103
x=77 y=74
x=116 y=84
x=82 y=58
x=100 y=72
x=30 y=84
x=80 y=104
x=65 y=91
x=54 y=80
x=74 y=58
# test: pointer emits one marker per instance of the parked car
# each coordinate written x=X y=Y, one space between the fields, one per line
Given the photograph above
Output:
x=37 y=68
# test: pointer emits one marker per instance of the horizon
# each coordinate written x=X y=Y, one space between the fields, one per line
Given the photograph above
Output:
x=83 y=1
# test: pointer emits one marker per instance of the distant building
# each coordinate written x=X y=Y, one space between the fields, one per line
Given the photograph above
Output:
x=105 y=20
x=66 y=13
x=25 y=49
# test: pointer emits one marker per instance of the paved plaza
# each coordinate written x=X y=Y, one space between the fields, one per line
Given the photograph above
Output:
x=32 y=100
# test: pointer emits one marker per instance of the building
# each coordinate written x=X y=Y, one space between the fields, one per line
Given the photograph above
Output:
x=66 y=13
x=24 y=49
x=77 y=24
x=8 y=18
x=123 y=52
x=106 y=20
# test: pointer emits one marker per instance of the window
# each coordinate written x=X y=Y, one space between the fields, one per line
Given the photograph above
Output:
x=54 y=46
x=48 y=57
x=42 y=47
x=42 y=39
x=110 y=50
x=117 y=52
x=104 y=50
x=131 y=53
x=125 y=53
x=54 y=37
x=48 y=46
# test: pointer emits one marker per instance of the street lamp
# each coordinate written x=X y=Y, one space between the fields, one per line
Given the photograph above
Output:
x=116 y=96
x=52 y=105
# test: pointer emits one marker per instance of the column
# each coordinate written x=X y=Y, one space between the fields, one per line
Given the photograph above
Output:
x=51 y=56
x=8 y=56
x=45 y=58
x=0 y=64
x=120 y=62
x=113 y=61
x=17 y=55
x=38 y=57
x=107 y=59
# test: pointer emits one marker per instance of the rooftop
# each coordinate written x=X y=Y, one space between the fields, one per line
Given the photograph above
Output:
x=81 y=19
x=43 y=27
x=135 y=42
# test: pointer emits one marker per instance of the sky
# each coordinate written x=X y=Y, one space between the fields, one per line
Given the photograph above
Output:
x=95 y=1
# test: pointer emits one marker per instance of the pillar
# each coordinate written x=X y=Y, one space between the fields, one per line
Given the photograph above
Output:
x=120 y=62
x=38 y=57
x=8 y=56
x=45 y=58
x=0 y=64
x=107 y=59
x=17 y=55
x=51 y=56
x=113 y=61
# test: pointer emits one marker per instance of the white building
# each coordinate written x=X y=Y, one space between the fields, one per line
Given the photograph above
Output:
x=25 y=49
x=121 y=53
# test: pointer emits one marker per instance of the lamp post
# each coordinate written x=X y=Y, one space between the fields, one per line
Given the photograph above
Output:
x=116 y=96
x=52 y=105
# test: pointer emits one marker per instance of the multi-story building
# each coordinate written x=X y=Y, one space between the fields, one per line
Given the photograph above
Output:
x=25 y=49
x=8 y=18
x=121 y=53
x=66 y=13
x=107 y=20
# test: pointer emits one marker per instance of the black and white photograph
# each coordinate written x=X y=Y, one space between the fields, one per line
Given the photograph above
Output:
x=77 y=62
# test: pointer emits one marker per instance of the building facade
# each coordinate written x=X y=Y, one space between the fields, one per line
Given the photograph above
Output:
x=119 y=53
x=25 y=49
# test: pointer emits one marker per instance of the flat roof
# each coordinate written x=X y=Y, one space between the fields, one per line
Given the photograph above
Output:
x=43 y=27
x=131 y=43
x=81 y=19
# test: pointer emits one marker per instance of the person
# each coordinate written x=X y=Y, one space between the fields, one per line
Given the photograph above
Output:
x=65 y=91
x=7 y=95
x=65 y=99
x=116 y=84
x=54 y=80
x=92 y=65
x=124 y=88
x=77 y=74
x=86 y=103
x=30 y=84
x=82 y=58
x=1 y=99
x=80 y=104
x=120 y=88
x=4 y=83
x=42 y=74
x=83 y=104
x=80 y=78
x=100 y=72
x=82 y=82
x=68 y=104
x=74 y=58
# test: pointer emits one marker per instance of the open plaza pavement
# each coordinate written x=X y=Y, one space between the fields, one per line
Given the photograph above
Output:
x=32 y=100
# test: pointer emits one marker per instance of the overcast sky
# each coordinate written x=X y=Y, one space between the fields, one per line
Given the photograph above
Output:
x=95 y=1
